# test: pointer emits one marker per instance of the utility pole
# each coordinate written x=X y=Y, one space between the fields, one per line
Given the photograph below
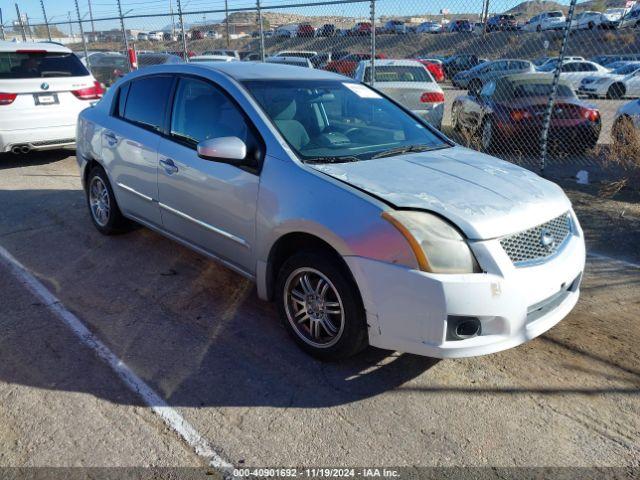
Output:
x=226 y=20
x=125 y=37
x=173 y=23
x=93 y=27
x=373 y=42
x=70 y=24
x=46 y=22
x=84 y=40
x=184 y=37
x=24 y=34
x=1 y=26
x=261 y=30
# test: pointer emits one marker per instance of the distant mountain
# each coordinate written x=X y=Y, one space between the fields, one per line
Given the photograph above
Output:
x=533 y=7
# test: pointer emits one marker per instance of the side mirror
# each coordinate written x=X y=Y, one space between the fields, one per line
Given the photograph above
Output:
x=231 y=149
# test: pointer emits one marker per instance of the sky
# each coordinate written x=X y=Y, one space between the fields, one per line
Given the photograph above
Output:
x=58 y=10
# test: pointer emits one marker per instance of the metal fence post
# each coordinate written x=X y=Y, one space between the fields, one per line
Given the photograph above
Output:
x=84 y=40
x=226 y=21
x=46 y=22
x=546 y=122
x=373 y=42
x=125 y=37
x=261 y=30
x=24 y=34
x=1 y=26
x=184 y=38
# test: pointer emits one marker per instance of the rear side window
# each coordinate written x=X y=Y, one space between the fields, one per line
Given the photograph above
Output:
x=16 y=65
x=399 y=74
x=146 y=101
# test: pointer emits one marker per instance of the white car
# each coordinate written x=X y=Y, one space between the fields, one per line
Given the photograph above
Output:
x=296 y=53
x=143 y=36
x=293 y=61
x=631 y=19
x=621 y=82
x=626 y=122
x=586 y=20
x=546 y=21
x=575 y=71
x=212 y=58
x=409 y=83
x=155 y=36
x=224 y=53
x=44 y=87
x=612 y=17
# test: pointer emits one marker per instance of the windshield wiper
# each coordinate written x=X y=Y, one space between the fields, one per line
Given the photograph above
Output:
x=406 y=149
x=343 y=159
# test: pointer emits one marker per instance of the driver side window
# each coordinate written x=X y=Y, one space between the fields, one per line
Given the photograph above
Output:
x=201 y=111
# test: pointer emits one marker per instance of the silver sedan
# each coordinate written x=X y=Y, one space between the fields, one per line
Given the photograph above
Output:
x=360 y=220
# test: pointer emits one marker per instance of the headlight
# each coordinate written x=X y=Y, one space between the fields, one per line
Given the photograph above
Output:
x=601 y=80
x=438 y=247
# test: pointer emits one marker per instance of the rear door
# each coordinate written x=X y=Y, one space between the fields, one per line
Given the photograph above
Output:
x=210 y=204
x=130 y=145
x=49 y=89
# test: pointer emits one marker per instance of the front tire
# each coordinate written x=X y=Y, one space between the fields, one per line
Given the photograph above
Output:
x=616 y=91
x=320 y=306
x=103 y=208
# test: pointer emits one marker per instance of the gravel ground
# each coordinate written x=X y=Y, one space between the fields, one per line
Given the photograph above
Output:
x=198 y=335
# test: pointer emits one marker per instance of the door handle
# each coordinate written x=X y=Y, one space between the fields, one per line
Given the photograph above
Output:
x=111 y=138
x=168 y=165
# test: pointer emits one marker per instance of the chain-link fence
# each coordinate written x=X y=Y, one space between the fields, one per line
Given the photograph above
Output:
x=538 y=83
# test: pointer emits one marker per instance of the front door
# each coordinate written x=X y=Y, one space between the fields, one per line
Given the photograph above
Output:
x=210 y=204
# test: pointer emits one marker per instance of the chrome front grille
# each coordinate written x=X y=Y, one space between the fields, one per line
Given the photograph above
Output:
x=538 y=243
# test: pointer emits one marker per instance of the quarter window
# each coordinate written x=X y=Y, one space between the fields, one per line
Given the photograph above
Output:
x=146 y=101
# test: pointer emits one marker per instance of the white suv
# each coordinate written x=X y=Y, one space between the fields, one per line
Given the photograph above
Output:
x=546 y=21
x=43 y=88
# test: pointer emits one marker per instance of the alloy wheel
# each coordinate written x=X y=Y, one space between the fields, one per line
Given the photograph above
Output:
x=314 y=307
x=99 y=201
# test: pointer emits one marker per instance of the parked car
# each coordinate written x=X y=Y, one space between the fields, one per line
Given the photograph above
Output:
x=475 y=78
x=429 y=27
x=502 y=22
x=619 y=83
x=294 y=61
x=287 y=31
x=546 y=21
x=435 y=67
x=574 y=71
x=250 y=56
x=395 y=26
x=197 y=35
x=169 y=37
x=459 y=63
x=213 y=34
x=174 y=53
x=212 y=58
x=143 y=36
x=612 y=17
x=43 y=88
x=607 y=60
x=631 y=19
x=321 y=60
x=326 y=30
x=155 y=36
x=410 y=84
x=149 y=59
x=347 y=65
x=107 y=69
x=509 y=112
x=626 y=123
x=360 y=206
x=360 y=29
x=306 y=30
x=224 y=52
x=586 y=20
x=551 y=62
x=462 y=25
x=296 y=53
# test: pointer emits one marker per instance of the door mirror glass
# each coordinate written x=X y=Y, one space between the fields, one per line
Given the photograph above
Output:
x=231 y=149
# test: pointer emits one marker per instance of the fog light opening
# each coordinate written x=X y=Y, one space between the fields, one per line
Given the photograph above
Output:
x=462 y=328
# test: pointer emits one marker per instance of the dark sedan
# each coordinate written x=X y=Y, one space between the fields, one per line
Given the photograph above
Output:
x=508 y=112
x=148 y=59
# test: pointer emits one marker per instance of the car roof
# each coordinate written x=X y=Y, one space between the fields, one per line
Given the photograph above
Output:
x=532 y=77
x=389 y=62
x=263 y=71
x=49 y=47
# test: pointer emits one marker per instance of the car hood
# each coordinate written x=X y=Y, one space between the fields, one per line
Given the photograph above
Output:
x=484 y=196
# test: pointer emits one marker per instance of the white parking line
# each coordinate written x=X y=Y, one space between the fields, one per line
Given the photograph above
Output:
x=170 y=416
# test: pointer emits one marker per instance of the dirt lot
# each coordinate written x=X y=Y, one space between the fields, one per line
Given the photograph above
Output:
x=197 y=334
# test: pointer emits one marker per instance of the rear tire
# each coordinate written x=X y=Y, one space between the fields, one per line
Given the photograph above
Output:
x=616 y=91
x=320 y=306
x=103 y=208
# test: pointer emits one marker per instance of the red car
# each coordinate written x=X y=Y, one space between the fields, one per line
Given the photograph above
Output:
x=306 y=30
x=509 y=112
x=361 y=28
x=435 y=69
x=347 y=65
